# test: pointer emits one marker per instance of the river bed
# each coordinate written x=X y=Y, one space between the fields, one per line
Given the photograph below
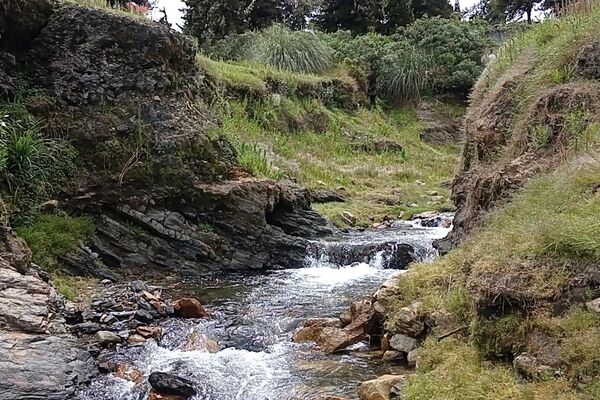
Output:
x=253 y=319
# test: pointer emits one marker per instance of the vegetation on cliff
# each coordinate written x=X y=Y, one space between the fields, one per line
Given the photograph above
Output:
x=518 y=286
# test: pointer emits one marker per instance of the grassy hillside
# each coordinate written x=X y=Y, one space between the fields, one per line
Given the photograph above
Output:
x=319 y=132
x=519 y=286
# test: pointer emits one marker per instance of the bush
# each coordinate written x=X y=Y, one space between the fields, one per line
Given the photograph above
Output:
x=456 y=48
x=297 y=51
x=32 y=167
x=402 y=75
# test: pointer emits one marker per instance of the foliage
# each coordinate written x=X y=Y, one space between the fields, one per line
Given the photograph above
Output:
x=51 y=236
x=293 y=51
x=456 y=49
x=402 y=75
x=32 y=167
x=360 y=17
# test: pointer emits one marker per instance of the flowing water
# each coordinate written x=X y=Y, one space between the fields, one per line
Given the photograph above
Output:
x=254 y=318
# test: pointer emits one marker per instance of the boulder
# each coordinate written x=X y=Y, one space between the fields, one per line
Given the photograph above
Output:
x=381 y=388
x=410 y=320
x=333 y=339
x=403 y=343
x=532 y=368
x=412 y=357
x=106 y=338
x=127 y=372
x=312 y=329
x=188 y=307
x=594 y=305
x=171 y=384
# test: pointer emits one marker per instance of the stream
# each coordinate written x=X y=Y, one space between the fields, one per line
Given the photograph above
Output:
x=255 y=316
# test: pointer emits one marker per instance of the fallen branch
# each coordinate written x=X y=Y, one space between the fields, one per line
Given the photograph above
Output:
x=452 y=332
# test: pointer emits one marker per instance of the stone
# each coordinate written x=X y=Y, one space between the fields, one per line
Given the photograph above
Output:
x=392 y=355
x=381 y=388
x=136 y=339
x=349 y=218
x=154 y=395
x=531 y=368
x=139 y=286
x=167 y=383
x=412 y=357
x=49 y=205
x=106 y=338
x=127 y=372
x=410 y=320
x=403 y=343
x=143 y=316
x=594 y=305
x=149 y=332
x=200 y=342
x=326 y=196
x=333 y=339
x=188 y=307
x=312 y=328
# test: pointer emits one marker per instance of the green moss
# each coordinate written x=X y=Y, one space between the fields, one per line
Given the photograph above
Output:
x=500 y=337
x=53 y=236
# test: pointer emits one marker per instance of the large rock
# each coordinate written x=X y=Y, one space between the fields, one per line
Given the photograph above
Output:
x=410 y=320
x=364 y=322
x=188 y=307
x=381 y=388
x=38 y=359
x=311 y=329
x=22 y=20
x=403 y=343
x=171 y=384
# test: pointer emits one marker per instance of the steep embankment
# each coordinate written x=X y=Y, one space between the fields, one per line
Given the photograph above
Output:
x=519 y=296
x=124 y=104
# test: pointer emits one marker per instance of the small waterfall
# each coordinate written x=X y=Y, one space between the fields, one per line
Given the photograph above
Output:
x=254 y=318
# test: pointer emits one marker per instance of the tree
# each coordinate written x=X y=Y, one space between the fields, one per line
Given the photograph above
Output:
x=382 y=16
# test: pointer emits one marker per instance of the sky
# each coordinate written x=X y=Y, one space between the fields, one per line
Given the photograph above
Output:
x=173 y=8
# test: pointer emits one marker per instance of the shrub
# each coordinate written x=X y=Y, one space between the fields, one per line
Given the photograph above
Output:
x=297 y=51
x=32 y=167
x=402 y=75
x=457 y=50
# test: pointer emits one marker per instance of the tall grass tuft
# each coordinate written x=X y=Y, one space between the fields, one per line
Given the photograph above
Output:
x=403 y=75
x=295 y=51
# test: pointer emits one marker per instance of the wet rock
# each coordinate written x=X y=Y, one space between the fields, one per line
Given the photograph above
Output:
x=392 y=355
x=403 y=343
x=188 y=307
x=200 y=342
x=333 y=339
x=312 y=329
x=410 y=320
x=154 y=395
x=136 y=339
x=143 y=316
x=106 y=338
x=127 y=372
x=149 y=332
x=139 y=286
x=326 y=196
x=346 y=318
x=86 y=328
x=171 y=384
x=381 y=388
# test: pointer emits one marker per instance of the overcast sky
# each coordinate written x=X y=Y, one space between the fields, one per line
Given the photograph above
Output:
x=174 y=7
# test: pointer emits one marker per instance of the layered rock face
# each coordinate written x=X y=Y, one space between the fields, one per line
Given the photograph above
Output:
x=38 y=358
x=166 y=194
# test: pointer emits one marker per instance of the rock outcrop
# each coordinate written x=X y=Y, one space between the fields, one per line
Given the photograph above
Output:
x=165 y=194
x=39 y=359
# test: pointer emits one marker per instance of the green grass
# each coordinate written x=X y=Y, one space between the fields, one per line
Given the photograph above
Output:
x=73 y=288
x=53 y=236
x=377 y=184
